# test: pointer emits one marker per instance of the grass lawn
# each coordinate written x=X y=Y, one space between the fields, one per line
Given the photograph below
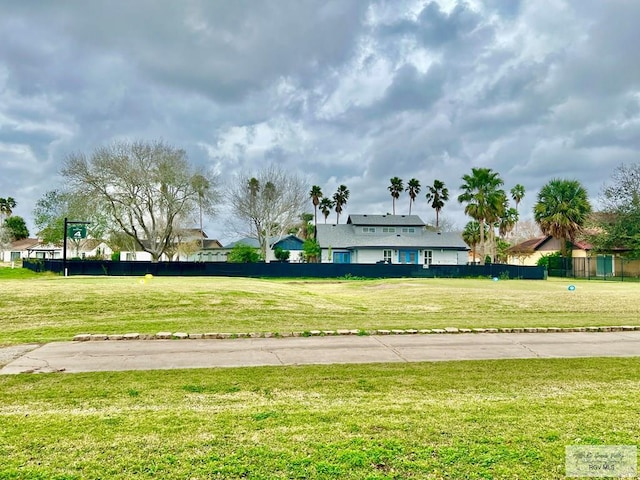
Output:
x=508 y=419
x=45 y=307
x=38 y=308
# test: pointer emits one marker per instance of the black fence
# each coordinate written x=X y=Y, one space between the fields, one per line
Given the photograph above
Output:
x=598 y=267
x=290 y=270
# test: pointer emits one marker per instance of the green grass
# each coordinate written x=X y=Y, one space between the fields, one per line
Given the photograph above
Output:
x=41 y=308
x=507 y=419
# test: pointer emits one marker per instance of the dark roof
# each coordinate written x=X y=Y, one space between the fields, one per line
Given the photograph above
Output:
x=386 y=220
x=533 y=244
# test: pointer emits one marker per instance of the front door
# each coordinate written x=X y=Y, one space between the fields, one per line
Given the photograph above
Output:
x=407 y=256
x=341 y=257
x=604 y=265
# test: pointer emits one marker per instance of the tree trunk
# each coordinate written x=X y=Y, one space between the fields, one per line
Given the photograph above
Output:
x=482 y=241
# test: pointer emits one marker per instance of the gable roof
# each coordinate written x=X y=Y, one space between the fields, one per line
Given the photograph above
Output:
x=386 y=220
x=534 y=244
x=24 y=244
x=253 y=242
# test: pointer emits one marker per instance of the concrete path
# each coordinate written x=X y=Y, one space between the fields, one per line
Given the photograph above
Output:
x=97 y=356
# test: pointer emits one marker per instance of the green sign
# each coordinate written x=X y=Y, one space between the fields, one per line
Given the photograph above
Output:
x=77 y=232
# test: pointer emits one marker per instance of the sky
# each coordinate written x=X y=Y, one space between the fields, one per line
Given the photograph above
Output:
x=349 y=92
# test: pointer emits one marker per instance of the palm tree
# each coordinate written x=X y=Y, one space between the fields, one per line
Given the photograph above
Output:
x=326 y=205
x=340 y=200
x=562 y=209
x=413 y=187
x=6 y=206
x=316 y=195
x=484 y=199
x=396 y=188
x=471 y=236
x=437 y=195
x=507 y=221
x=517 y=193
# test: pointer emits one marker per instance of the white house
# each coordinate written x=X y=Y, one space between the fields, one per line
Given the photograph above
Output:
x=34 y=248
x=391 y=239
x=18 y=250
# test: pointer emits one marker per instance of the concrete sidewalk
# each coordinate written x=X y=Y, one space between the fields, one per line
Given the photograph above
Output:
x=98 y=356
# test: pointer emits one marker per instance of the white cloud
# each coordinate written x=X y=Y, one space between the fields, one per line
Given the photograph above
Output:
x=344 y=91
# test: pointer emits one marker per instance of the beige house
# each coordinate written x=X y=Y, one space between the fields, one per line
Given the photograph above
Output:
x=530 y=251
x=585 y=262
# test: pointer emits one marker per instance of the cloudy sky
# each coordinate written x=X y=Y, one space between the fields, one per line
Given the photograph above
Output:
x=347 y=92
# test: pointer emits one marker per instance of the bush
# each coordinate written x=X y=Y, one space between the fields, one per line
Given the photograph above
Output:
x=242 y=253
x=281 y=254
x=115 y=257
x=311 y=250
x=546 y=259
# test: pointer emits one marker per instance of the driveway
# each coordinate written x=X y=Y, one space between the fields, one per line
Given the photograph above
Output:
x=97 y=356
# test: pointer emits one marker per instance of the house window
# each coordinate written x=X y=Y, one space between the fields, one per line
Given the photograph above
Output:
x=130 y=256
x=386 y=255
x=388 y=229
x=408 y=230
x=428 y=257
x=369 y=229
x=15 y=256
x=341 y=257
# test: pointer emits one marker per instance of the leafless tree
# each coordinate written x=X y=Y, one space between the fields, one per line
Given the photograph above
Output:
x=267 y=204
x=146 y=188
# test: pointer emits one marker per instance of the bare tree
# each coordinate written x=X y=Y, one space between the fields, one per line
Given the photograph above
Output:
x=5 y=240
x=146 y=189
x=268 y=204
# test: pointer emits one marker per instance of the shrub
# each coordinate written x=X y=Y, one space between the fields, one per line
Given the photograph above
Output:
x=281 y=254
x=242 y=253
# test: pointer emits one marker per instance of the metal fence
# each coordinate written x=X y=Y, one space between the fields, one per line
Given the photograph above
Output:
x=600 y=267
x=286 y=270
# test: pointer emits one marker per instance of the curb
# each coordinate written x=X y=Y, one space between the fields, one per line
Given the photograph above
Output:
x=85 y=337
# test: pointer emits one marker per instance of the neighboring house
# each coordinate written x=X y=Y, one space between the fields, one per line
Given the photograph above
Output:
x=292 y=243
x=45 y=251
x=585 y=262
x=18 y=250
x=528 y=253
x=391 y=239
x=211 y=251
x=191 y=245
x=34 y=248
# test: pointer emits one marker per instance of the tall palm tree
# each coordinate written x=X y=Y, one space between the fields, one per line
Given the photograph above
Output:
x=471 y=236
x=484 y=198
x=340 y=200
x=437 y=195
x=413 y=188
x=326 y=205
x=508 y=220
x=562 y=209
x=396 y=188
x=316 y=195
x=517 y=193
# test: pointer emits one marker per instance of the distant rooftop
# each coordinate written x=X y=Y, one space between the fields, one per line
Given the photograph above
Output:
x=394 y=220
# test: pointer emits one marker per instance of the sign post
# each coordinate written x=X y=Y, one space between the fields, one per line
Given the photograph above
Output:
x=77 y=231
